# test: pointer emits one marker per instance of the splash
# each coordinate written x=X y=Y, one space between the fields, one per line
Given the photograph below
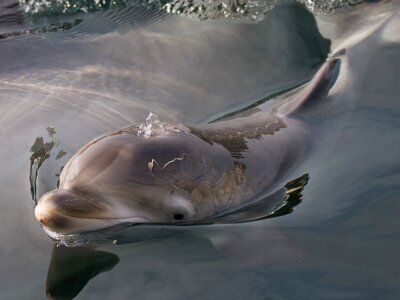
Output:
x=152 y=126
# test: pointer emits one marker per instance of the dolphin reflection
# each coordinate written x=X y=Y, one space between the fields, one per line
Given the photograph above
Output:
x=72 y=268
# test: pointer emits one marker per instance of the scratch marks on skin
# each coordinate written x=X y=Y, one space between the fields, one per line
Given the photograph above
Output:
x=151 y=164
x=221 y=190
x=240 y=178
x=226 y=192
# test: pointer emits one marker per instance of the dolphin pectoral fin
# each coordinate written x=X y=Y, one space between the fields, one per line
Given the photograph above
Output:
x=316 y=90
x=294 y=196
x=258 y=210
x=279 y=203
x=71 y=269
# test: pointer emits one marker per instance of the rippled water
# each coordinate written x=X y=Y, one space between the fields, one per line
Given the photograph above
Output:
x=200 y=9
x=66 y=77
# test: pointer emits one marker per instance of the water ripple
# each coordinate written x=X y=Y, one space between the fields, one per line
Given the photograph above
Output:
x=239 y=10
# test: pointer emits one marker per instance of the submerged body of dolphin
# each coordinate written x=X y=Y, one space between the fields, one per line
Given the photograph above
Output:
x=174 y=174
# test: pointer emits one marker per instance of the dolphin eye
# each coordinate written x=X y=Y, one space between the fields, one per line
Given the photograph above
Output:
x=179 y=216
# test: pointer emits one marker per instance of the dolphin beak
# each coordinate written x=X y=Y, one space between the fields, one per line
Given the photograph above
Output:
x=66 y=212
x=53 y=220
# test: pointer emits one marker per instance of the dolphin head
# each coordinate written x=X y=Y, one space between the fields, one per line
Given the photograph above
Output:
x=125 y=178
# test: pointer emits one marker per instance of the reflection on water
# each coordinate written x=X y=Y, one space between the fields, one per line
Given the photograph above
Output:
x=71 y=269
x=40 y=153
x=340 y=242
x=42 y=16
x=52 y=28
x=199 y=9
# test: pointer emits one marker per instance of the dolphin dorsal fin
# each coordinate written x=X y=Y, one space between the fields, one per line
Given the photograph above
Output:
x=315 y=91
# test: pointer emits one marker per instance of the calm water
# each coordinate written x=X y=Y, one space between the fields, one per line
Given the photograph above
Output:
x=88 y=73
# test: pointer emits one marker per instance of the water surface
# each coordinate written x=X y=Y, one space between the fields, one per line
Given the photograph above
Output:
x=84 y=74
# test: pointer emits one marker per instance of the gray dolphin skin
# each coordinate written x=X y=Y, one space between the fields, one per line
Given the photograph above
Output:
x=176 y=174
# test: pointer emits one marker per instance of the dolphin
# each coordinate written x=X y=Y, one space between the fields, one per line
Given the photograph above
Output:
x=160 y=173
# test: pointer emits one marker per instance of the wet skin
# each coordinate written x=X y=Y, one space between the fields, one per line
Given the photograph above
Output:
x=184 y=174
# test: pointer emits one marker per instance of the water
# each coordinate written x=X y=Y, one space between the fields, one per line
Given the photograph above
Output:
x=85 y=74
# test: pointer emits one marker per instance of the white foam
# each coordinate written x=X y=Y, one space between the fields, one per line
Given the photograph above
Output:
x=152 y=126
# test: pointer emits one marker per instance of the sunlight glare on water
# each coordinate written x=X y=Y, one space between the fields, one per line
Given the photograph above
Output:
x=254 y=10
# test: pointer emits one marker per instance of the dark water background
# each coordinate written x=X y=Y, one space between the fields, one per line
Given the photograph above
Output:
x=88 y=73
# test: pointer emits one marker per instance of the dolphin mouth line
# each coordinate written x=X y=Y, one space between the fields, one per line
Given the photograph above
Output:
x=57 y=212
